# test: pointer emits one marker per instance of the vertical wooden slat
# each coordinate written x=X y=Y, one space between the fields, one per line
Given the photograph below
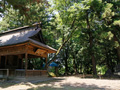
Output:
x=26 y=63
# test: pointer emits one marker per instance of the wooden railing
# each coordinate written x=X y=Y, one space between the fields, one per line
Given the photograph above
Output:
x=4 y=73
x=21 y=72
x=36 y=72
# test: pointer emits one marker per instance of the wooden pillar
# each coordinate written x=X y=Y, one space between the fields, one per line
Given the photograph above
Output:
x=5 y=61
x=0 y=60
x=46 y=59
x=26 y=63
x=22 y=63
x=7 y=73
x=17 y=61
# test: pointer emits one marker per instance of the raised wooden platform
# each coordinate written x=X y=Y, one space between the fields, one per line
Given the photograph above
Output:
x=21 y=72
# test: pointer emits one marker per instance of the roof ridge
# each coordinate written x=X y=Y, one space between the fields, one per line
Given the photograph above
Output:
x=19 y=28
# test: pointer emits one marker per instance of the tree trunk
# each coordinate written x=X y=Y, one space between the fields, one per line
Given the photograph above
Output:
x=75 y=65
x=66 y=61
x=81 y=67
x=66 y=67
x=118 y=48
x=107 y=58
x=118 y=53
x=91 y=45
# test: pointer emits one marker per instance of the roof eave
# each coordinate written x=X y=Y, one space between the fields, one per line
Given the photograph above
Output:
x=49 y=49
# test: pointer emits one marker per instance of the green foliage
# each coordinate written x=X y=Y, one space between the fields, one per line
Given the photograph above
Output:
x=95 y=24
x=36 y=63
x=100 y=15
x=101 y=69
x=13 y=19
x=116 y=22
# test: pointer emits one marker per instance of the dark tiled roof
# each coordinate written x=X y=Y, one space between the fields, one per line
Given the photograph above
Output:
x=21 y=35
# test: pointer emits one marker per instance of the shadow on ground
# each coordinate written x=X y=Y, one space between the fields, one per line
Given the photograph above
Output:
x=27 y=81
x=49 y=83
x=68 y=86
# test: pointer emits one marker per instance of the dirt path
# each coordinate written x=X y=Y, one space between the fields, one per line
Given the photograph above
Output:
x=67 y=83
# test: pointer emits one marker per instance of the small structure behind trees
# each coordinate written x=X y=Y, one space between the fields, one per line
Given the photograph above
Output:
x=52 y=69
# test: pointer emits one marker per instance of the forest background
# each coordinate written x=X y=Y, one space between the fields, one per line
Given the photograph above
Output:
x=85 y=32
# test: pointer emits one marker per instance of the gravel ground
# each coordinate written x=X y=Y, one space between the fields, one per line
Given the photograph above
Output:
x=65 y=83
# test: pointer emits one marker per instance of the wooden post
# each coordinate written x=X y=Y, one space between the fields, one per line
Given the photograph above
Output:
x=46 y=61
x=7 y=73
x=26 y=63
x=5 y=61
x=17 y=61
x=22 y=64
x=0 y=60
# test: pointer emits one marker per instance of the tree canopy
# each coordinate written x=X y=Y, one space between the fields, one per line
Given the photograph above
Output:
x=85 y=32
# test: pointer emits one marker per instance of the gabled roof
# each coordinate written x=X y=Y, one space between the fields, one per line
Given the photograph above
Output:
x=22 y=35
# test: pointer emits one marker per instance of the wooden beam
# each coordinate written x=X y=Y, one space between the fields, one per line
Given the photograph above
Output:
x=15 y=53
x=26 y=63
x=3 y=47
x=12 y=50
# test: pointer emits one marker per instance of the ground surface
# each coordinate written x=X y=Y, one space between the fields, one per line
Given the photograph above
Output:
x=62 y=83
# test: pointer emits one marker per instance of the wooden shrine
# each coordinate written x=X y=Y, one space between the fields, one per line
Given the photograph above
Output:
x=17 y=46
